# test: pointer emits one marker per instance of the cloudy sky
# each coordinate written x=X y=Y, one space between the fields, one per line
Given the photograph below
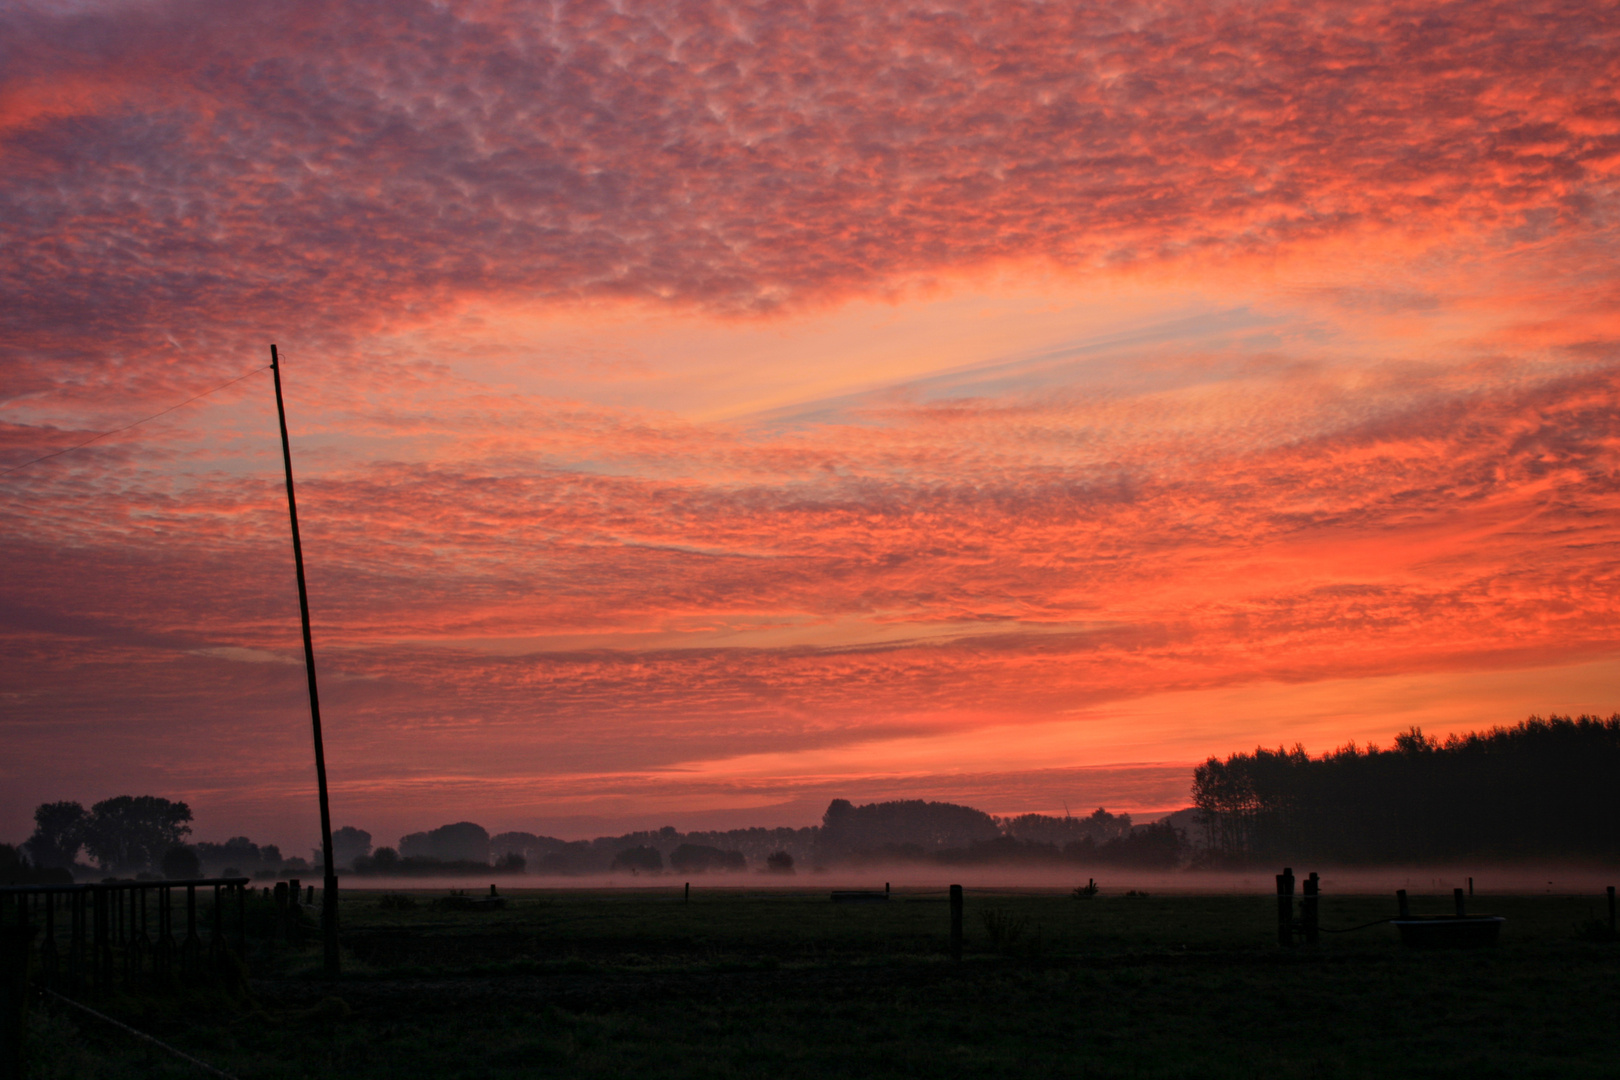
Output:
x=705 y=409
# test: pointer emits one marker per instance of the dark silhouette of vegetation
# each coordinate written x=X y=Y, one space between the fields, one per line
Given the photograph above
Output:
x=181 y=862
x=701 y=858
x=637 y=859
x=909 y=831
x=418 y=866
x=58 y=834
x=349 y=844
x=237 y=857
x=1540 y=789
x=1099 y=827
x=17 y=869
x=125 y=835
x=889 y=829
x=461 y=842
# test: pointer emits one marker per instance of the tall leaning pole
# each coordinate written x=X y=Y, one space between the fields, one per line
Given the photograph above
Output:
x=329 y=895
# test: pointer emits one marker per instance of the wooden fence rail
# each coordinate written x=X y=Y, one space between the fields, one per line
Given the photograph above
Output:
x=91 y=935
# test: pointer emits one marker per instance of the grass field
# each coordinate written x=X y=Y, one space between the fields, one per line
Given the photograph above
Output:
x=784 y=983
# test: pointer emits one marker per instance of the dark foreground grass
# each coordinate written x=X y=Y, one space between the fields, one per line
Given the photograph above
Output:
x=780 y=984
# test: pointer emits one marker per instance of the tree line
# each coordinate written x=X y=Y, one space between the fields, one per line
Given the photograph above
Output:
x=1541 y=789
x=146 y=835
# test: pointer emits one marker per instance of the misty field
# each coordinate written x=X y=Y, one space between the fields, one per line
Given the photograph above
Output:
x=785 y=983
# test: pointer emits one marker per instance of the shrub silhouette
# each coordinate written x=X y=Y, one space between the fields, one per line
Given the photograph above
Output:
x=699 y=858
x=640 y=857
x=181 y=862
x=1002 y=929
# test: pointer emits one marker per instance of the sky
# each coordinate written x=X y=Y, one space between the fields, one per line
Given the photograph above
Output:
x=704 y=410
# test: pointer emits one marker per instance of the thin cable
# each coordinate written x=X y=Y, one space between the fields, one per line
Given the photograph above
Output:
x=140 y=1034
x=126 y=427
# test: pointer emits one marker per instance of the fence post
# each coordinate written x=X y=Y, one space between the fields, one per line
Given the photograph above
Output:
x=1462 y=905
x=687 y=898
x=216 y=937
x=143 y=941
x=1401 y=904
x=193 y=944
x=1307 y=907
x=956 y=922
x=1285 y=907
x=281 y=911
x=76 y=940
x=14 y=940
x=101 y=947
x=1611 y=909
x=48 y=962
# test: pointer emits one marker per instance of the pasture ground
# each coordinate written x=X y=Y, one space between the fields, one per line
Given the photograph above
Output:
x=782 y=983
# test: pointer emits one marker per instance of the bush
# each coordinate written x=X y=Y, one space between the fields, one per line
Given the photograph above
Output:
x=180 y=863
x=640 y=857
x=699 y=858
x=779 y=862
x=1003 y=929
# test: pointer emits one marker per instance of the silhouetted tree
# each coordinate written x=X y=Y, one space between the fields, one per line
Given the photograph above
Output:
x=349 y=844
x=58 y=834
x=779 y=862
x=848 y=830
x=1543 y=788
x=700 y=858
x=640 y=857
x=236 y=857
x=1098 y=827
x=17 y=869
x=531 y=847
x=462 y=842
x=181 y=862
x=132 y=833
x=1159 y=845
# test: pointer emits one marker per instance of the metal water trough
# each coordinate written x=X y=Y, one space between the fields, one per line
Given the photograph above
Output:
x=1449 y=931
x=1458 y=931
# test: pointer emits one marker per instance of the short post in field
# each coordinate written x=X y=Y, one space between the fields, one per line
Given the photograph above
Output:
x=1285 y=907
x=1307 y=908
x=1461 y=902
x=1470 y=886
x=687 y=897
x=1401 y=903
x=1611 y=909
x=956 y=922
